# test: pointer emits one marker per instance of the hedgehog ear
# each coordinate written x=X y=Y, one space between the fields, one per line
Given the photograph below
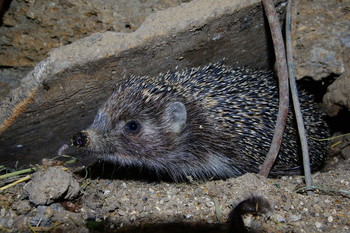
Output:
x=175 y=116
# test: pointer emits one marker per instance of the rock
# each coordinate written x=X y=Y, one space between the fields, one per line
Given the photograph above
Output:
x=318 y=225
x=6 y=218
x=320 y=43
x=32 y=28
x=10 y=79
x=321 y=48
x=51 y=184
x=338 y=95
x=61 y=95
x=21 y=207
x=278 y=218
x=295 y=218
x=330 y=219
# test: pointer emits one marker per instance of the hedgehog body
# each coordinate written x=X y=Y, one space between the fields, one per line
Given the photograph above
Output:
x=208 y=122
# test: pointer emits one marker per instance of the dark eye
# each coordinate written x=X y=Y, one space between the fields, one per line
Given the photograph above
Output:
x=133 y=126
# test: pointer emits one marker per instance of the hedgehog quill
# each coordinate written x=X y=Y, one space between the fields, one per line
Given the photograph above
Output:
x=208 y=122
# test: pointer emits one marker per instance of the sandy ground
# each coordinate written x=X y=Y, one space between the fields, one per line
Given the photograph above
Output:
x=127 y=205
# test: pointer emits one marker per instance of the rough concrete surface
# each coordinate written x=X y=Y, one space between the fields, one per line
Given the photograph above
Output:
x=61 y=95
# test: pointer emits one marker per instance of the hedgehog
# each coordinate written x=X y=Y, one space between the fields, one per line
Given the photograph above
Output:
x=211 y=122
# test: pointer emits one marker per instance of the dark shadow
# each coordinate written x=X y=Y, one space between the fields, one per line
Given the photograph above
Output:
x=317 y=88
x=176 y=227
x=105 y=170
x=4 y=6
x=340 y=123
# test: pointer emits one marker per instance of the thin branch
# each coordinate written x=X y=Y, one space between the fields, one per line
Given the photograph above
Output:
x=296 y=103
x=282 y=73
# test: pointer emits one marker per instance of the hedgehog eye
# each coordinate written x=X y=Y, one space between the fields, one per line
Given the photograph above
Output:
x=133 y=126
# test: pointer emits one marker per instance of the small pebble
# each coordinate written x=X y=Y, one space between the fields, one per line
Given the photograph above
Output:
x=295 y=218
x=209 y=203
x=106 y=192
x=318 y=225
x=121 y=212
x=133 y=218
x=248 y=221
x=143 y=214
x=278 y=218
x=22 y=207
x=330 y=219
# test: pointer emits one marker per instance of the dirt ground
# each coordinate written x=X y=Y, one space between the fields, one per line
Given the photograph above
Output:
x=55 y=200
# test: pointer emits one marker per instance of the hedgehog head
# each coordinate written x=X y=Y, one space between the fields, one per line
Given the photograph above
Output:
x=151 y=127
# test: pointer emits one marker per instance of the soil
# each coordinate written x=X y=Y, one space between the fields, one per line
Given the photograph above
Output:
x=129 y=205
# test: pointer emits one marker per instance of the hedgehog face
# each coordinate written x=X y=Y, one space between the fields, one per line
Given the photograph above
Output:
x=154 y=125
x=136 y=133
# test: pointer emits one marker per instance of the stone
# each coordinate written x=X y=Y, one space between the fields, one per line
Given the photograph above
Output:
x=32 y=28
x=51 y=184
x=321 y=44
x=338 y=95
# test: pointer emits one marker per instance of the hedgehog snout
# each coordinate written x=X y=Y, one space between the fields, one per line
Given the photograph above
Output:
x=80 y=139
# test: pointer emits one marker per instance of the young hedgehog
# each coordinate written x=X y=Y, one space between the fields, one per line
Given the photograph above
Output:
x=211 y=122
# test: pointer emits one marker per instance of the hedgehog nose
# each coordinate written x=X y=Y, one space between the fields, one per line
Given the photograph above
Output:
x=80 y=139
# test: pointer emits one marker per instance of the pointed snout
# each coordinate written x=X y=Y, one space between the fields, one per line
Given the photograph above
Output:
x=81 y=139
